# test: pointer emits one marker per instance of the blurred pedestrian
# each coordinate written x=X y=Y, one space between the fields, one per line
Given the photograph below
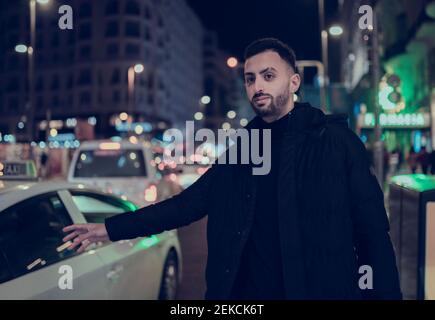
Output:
x=395 y=161
x=412 y=160
x=43 y=161
x=423 y=160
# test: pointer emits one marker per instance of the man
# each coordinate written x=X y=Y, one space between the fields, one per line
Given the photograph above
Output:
x=300 y=232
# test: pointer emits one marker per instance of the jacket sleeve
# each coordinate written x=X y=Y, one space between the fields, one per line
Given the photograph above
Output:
x=177 y=211
x=371 y=226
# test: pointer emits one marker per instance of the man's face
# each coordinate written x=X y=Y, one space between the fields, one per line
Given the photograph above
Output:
x=270 y=83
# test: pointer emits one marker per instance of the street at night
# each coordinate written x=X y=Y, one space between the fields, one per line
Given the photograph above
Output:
x=217 y=150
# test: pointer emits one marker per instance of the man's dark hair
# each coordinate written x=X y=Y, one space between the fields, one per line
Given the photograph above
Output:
x=272 y=44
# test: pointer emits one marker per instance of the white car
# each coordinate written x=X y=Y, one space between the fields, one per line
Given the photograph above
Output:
x=122 y=168
x=36 y=264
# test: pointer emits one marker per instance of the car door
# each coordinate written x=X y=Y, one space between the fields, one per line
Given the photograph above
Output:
x=36 y=263
x=133 y=267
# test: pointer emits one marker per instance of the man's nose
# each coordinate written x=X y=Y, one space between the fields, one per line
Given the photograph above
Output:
x=258 y=86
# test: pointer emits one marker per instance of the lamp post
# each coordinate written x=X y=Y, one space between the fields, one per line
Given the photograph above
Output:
x=132 y=71
x=29 y=49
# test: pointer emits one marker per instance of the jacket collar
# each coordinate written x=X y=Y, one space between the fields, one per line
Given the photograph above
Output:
x=305 y=118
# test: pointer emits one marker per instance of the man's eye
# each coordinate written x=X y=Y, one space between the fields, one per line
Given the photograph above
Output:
x=268 y=76
x=249 y=80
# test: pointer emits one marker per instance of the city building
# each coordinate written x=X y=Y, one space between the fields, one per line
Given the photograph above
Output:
x=82 y=83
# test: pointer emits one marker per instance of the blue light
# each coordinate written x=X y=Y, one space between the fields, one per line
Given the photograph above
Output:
x=417 y=141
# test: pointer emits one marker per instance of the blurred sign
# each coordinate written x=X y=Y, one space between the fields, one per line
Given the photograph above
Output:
x=402 y=120
x=18 y=170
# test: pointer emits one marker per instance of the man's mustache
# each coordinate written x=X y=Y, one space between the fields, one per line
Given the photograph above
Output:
x=260 y=95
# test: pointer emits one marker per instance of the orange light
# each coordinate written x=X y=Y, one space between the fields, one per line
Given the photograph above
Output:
x=150 y=193
x=110 y=146
x=232 y=62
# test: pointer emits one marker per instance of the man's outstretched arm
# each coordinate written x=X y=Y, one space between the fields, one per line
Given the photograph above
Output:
x=180 y=210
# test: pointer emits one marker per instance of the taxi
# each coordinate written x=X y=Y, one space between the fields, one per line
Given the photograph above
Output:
x=36 y=264
x=123 y=168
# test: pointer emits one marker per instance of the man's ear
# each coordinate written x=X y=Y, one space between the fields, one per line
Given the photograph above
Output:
x=295 y=82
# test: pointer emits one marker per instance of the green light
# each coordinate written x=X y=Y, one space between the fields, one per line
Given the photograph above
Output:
x=130 y=205
x=406 y=120
x=417 y=182
x=336 y=31
x=385 y=103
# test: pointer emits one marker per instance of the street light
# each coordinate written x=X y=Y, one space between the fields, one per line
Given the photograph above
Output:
x=205 y=100
x=335 y=30
x=232 y=62
x=132 y=71
x=231 y=114
x=21 y=48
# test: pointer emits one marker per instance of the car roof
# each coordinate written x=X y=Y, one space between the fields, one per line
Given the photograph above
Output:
x=7 y=186
x=12 y=192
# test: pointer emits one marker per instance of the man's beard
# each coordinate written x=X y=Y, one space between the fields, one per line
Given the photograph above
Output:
x=275 y=107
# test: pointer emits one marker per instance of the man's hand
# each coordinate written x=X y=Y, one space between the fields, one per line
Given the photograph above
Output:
x=85 y=234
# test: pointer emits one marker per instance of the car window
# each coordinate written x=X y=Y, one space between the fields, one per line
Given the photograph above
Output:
x=96 y=207
x=31 y=235
x=110 y=163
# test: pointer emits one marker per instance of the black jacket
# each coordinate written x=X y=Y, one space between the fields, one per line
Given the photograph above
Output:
x=331 y=215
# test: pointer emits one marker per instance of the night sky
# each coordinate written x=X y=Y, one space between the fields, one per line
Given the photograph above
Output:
x=238 y=22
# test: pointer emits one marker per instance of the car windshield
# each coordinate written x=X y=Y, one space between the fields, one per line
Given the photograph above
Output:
x=110 y=163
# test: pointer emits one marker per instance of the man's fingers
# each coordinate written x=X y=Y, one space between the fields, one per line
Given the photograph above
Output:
x=78 y=240
x=75 y=227
x=85 y=244
x=70 y=236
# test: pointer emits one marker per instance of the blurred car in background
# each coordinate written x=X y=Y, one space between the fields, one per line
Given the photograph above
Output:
x=122 y=168
x=187 y=174
x=33 y=254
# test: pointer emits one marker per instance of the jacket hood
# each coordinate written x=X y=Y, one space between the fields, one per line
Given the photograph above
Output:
x=307 y=118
